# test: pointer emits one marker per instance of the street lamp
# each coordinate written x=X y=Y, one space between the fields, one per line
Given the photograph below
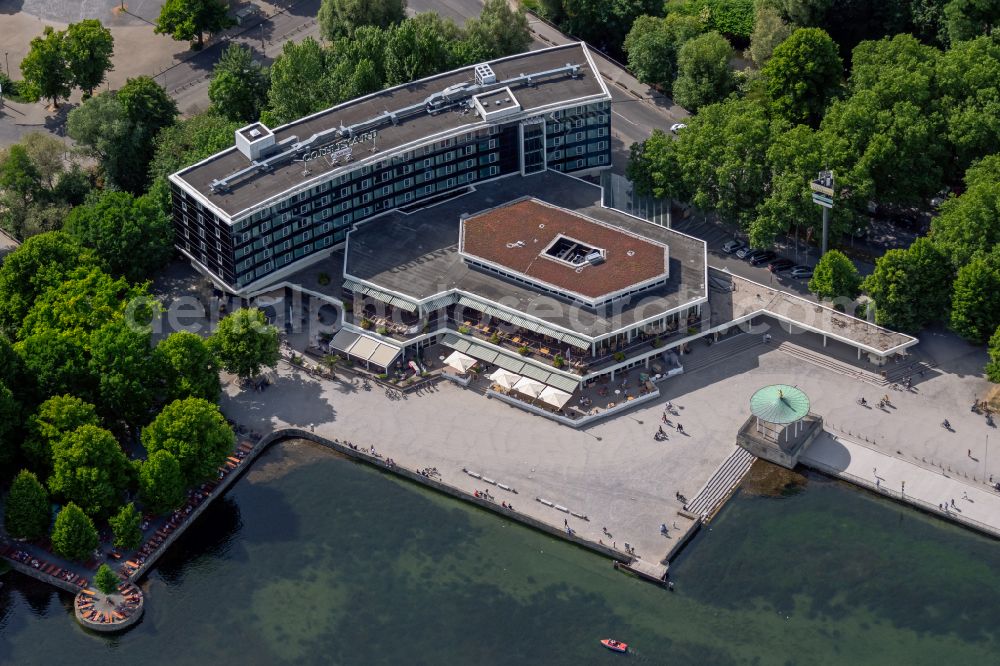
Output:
x=822 y=195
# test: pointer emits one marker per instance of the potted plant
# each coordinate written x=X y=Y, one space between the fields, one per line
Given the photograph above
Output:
x=692 y=330
x=558 y=361
x=382 y=376
x=366 y=324
x=657 y=343
x=382 y=330
x=323 y=279
x=523 y=350
x=618 y=356
x=495 y=338
x=464 y=330
x=348 y=305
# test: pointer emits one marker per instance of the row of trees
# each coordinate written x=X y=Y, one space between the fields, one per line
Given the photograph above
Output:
x=907 y=109
x=763 y=24
x=308 y=77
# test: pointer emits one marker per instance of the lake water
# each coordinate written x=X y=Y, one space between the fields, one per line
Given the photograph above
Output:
x=314 y=559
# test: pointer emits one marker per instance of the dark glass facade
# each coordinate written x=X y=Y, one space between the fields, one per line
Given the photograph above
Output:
x=316 y=219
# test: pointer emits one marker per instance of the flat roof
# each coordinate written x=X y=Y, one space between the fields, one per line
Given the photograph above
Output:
x=259 y=187
x=518 y=237
x=416 y=256
x=736 y=299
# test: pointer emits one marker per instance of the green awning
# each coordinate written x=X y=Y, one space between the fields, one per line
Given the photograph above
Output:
x=563 y=382
x=780 y=403
x=535 y=372
x=380 y=295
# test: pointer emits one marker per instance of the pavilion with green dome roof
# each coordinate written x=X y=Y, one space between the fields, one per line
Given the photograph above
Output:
x=780 y=426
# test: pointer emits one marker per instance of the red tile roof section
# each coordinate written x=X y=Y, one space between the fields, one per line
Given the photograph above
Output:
x=487 y=235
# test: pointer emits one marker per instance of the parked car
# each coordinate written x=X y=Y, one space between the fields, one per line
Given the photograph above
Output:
x=780 y=264
x=677 y=127
x=744 y=251
x=761 y=257
x=801 y=272
x=733 y=246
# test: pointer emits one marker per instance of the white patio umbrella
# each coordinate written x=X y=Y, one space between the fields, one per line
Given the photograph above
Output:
x=505 y=378
x=460 y=361
x=529 y=386
x=555 y=397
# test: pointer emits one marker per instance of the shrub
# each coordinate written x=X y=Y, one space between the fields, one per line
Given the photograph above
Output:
x=323 y=279
x=618 y=356
x=464 y=330
x=495 y=338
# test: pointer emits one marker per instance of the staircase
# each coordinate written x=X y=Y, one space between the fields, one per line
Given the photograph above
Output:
x=720 y=351
x=824 y=361
x=718 y=488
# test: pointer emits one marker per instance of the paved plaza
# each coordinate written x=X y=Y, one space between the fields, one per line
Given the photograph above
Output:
x=614 y=472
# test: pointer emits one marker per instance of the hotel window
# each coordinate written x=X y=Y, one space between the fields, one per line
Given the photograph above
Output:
x=428 y=162
x=579 y=136
x=345 y=191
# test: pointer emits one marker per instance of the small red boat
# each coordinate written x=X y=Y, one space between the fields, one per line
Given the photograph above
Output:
x=616 y=646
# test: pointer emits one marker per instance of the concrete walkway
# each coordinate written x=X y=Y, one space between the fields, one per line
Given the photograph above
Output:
x=972 y=505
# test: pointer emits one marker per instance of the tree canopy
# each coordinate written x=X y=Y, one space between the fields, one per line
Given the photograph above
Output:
x=803 y=75
x=195 y=433
x=118 y=129
x=190 y=368
x=106 y=580
x=45 y=68
x=126 y=525
x=993 y=366
x=652 y=44
x=131 y=236
x=161 y=483
x=90 y=470
x=88 y=46
x=238 y=89
x=54 y=419
x=835 y=276
x=26 y=511
x=912 y=287
x=73 y=535
x=38 y=264
x=185 y=20
x=340 y=18
x=975 y=302
x=245 y=343
x=703 y=74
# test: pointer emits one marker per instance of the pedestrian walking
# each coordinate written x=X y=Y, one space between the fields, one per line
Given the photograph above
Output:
x=969 y=453
x=565 y=522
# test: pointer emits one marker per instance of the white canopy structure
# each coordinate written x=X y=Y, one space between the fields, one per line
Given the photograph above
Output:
x=505 y=378
x=529 y=386
x=460 y=361
x=555 y=397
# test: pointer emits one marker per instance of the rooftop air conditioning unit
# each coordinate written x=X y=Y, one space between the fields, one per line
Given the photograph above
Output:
x=485 y=74
x=595 y=258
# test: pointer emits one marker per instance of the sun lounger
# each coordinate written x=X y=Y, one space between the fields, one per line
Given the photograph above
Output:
x=90 y=593
x=118 y=615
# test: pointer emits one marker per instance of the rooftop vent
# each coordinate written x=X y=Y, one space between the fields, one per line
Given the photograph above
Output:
x=485 y=74
x=595 y=258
